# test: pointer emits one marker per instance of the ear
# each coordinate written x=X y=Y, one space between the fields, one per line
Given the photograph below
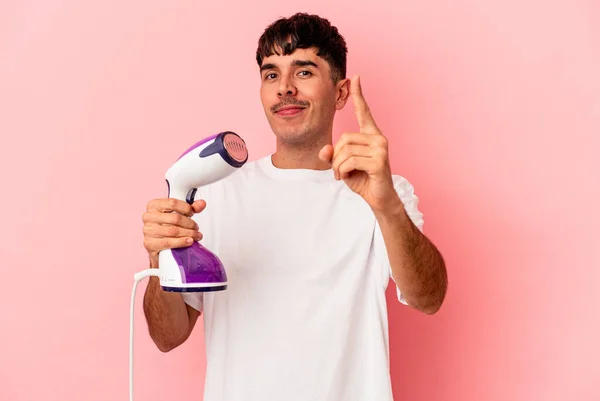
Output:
x=342 y=90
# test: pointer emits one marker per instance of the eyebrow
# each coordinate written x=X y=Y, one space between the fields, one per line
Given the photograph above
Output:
x=296 y=63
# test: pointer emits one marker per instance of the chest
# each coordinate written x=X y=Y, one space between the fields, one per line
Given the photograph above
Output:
x=297 y=232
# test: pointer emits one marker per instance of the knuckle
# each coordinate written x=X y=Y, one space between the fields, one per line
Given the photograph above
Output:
x=172 y=203
x=383 y=141
x=176 y=218
x=344 y=138
x=172 y=231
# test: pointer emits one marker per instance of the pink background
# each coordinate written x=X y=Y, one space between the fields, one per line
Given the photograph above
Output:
x=492 y=109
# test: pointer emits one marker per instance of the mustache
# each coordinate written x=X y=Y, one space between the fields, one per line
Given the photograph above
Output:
x=288 y=101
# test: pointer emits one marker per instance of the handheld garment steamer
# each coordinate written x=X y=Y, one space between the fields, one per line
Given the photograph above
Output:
x=193 y=268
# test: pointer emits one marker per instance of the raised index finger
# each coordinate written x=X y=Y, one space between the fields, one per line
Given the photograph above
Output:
x=363 y=114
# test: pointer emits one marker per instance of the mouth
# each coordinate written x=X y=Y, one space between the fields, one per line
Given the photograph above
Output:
x=289 y=111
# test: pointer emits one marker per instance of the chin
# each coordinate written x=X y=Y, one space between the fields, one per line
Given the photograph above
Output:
x=292 y=136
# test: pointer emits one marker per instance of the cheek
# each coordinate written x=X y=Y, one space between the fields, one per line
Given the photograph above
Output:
x=268 y=95
x=324 y=101
x=319 y=94
x=264 y=99
x=313 y=92
x=262 y=94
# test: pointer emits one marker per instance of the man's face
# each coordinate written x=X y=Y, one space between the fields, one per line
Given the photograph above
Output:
x=299 y=97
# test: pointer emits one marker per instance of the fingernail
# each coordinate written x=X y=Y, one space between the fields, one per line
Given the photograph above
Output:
x=189 y=240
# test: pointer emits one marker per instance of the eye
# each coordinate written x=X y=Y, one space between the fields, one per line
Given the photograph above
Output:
x=305 y=73
x=270 y=76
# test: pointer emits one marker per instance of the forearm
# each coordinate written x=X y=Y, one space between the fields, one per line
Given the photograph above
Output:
x=417 y=266
x=166 y=315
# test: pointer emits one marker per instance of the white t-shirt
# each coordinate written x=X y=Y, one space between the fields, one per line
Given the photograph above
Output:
x=304 y=316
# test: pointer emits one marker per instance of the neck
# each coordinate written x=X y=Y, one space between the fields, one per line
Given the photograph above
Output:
x=300 y=156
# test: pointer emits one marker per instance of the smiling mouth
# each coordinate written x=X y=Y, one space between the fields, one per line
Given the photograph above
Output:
x=289 y=110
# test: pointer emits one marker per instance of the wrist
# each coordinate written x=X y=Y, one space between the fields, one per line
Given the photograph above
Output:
x=394 y=209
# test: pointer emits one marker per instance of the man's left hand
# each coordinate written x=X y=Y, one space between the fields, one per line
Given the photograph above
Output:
x=361 y=159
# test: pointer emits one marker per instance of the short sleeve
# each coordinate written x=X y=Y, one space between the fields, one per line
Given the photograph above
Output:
x=407 y=195
x=194 y=299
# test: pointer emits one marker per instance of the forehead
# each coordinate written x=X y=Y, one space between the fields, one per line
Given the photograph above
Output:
x=299 y=54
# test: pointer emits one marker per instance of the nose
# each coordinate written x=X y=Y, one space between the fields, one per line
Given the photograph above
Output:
x=286 y=88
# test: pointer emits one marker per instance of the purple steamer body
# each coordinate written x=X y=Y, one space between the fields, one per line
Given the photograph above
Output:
x=203 y=266
x=194 y=146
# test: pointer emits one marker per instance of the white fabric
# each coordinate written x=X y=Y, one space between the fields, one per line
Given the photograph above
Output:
x=304 y=317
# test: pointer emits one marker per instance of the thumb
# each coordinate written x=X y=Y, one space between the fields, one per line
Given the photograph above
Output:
x=199 y=205
x=326 y=153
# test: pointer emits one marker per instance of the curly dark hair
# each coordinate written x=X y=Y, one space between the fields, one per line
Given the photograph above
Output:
x=303 y=31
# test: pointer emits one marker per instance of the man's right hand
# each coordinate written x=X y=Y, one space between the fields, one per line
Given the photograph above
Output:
x=168 y=224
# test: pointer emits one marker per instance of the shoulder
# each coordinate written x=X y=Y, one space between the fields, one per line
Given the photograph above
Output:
x=238 y=175
x=250 y=168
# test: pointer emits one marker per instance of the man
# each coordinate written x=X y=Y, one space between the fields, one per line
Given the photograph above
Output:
x=309 y=236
